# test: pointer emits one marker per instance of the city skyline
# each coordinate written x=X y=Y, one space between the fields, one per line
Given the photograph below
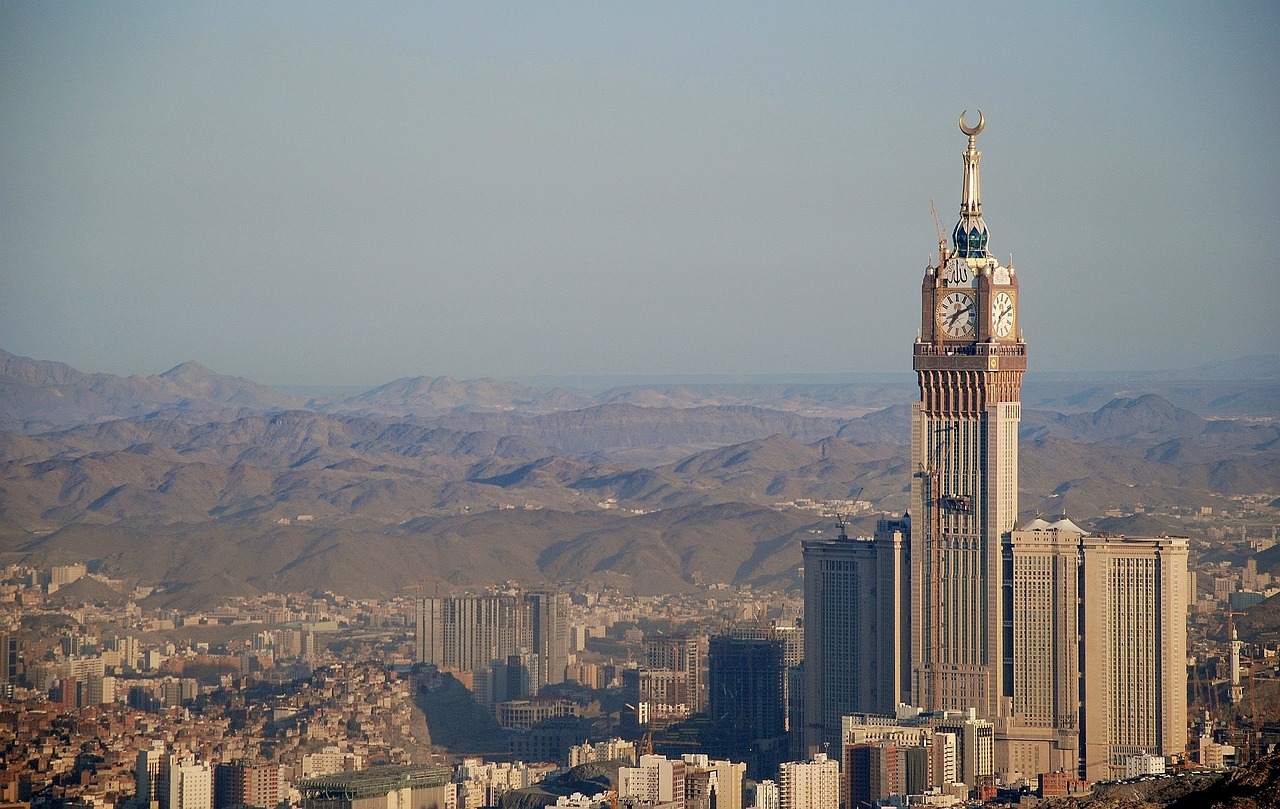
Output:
x=343 y=198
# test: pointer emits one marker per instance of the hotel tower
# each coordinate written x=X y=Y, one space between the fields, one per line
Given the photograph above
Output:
x=1069 y=647
x=969 y=360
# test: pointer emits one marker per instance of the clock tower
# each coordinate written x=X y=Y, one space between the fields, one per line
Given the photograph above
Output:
x=969 y=359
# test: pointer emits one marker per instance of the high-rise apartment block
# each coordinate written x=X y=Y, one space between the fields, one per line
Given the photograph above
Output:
x=241 y=784
x=655 y=780
x=670 y=684
x=684 y=656
x=62 y=575
x=150 y=763
x=813 y=784
x=185 y=783
x=712 y=783
x=549 y=634
x=767 y=795
x=478 y=633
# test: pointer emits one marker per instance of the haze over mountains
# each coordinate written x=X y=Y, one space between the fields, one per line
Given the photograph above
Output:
x=185 y=477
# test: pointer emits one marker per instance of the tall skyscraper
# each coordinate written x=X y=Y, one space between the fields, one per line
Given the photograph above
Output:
x=1097 y=646
x=854 y=591
x=549 y=631
x=1134 y=695
x=1042 y=573
x=969 y=360
x=9 y=660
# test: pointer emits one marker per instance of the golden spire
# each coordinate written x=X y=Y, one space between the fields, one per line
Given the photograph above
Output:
x=971 y=200
x=970 y=234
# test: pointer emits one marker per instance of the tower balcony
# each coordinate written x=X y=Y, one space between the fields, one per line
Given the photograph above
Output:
x=971 y=350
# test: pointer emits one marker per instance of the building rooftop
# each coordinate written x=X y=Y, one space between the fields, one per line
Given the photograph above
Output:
x=373 y=782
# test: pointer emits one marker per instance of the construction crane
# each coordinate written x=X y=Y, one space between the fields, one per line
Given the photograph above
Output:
x=843 y=523
x=842 y=520
x=934 y=498
x=942 y=239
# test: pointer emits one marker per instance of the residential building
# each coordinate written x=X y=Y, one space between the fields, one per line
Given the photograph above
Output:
x=813 y=784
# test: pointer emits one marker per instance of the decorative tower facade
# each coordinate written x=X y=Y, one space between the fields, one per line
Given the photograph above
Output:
x=969 y=360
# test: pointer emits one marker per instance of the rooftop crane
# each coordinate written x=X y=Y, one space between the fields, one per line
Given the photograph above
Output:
x=942 y=238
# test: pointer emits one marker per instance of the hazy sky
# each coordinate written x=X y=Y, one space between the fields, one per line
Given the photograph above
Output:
x=312 y=193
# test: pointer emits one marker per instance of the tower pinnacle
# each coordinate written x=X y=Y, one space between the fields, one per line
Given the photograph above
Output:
x=970 y=234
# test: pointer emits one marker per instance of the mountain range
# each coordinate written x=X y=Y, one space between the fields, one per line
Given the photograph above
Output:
x=198 y=480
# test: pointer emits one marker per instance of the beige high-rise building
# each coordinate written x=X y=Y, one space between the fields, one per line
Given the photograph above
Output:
x=713 y=782
x=810 y=784
x=1040 y=732
x=684 y=656
x=1134 y=592
x=654 y=779
x=969 y=358
x=1097 y=651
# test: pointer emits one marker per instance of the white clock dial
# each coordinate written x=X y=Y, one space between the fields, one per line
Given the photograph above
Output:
x=1002 y=314
x=957 y=315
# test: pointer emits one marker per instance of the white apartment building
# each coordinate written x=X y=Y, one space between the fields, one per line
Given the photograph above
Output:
x=810 y=784
x=655 y=780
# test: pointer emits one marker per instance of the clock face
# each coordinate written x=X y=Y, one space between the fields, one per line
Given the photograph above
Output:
x=1002 y=314
x=957 y=315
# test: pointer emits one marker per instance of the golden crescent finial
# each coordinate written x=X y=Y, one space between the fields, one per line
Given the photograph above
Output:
x=972 y=132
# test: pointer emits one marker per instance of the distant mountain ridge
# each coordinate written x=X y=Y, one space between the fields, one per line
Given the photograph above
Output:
x=40 y=395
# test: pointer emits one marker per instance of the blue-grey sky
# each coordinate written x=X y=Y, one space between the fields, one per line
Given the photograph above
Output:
x=322 y=193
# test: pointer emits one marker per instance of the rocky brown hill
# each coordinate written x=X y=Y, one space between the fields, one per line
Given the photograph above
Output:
x=1255 y=785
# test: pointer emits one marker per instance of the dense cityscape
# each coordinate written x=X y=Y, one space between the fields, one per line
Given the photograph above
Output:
x=292 y=687
x=944 y=660
x=959 y=654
